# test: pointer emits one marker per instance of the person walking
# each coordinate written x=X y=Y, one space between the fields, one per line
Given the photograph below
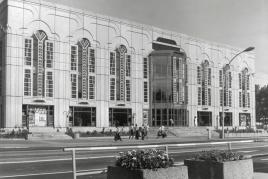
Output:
x=146 y=129
x=171 y=122
x=131 y=131
x=142 y=132
x=117 y=135
x=137 y=135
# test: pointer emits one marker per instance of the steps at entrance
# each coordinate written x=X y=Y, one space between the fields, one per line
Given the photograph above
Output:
x=47 y=133
x=183 y=132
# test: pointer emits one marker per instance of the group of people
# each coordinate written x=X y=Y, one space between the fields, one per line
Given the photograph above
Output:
x=138 y=131
x=134 y=131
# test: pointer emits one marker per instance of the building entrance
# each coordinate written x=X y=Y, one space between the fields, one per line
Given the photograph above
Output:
x=244 y=119
x=204 y=118
x=37 y=115
x=120 y=117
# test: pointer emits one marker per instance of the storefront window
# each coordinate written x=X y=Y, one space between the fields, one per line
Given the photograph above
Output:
x=82 y=116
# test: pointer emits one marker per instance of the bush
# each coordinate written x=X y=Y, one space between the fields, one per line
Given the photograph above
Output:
x=144 y=159
x=15 y=134
x=218 y=156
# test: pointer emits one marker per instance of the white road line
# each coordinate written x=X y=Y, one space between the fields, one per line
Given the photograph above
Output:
x=14 y=147
x=54 y=160
x=92 y=171
x=247 y=151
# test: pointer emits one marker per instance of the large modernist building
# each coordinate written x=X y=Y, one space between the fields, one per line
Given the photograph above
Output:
x=63 y=67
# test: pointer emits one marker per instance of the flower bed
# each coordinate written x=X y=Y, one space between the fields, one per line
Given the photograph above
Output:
x=220 y=165
x=144 y=159
x=149 y=164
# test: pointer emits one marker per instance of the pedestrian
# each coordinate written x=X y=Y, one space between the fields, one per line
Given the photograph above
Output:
x=117 y=135
x=131 y=131
x=137 y=135
x=146 y=130
x=142 y=132
x=171 y=122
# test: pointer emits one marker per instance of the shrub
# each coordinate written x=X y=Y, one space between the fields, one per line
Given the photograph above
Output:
x=144 y=159
x=15 y=134
x=218 y=156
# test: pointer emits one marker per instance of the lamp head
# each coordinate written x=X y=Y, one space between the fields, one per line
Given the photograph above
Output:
x=249 y=49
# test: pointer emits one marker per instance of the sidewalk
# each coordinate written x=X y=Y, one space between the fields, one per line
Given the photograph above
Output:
x=104 y=141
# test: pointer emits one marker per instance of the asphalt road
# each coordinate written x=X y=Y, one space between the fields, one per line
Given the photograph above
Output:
x=54 y=163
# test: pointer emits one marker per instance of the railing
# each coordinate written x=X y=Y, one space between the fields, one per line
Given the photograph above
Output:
x=165 y=146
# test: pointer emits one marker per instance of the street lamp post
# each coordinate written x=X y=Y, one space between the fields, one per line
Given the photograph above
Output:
x=224 y=69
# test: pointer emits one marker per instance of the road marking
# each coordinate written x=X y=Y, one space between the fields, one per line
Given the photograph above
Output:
x=90 y=172
x=14 y=147
x=247 y=151
x=54 y=160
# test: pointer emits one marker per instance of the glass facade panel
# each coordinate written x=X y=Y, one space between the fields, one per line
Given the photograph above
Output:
x=145 y=91
x=128 y=65
x=49 y=54
x=82 y=116
x=120 y=117
x=128 y=91
x=28 y=46
x=91 y=61
x=112 y=63
x=91 y=87
x=27 y=82
x=74 y=57
x=74 y=85
x=49 y=84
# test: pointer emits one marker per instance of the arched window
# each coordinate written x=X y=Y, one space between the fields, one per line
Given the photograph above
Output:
x=38 y=65
x=204 y=82
x=244 y=84
x=83 y=76
x=120 y=74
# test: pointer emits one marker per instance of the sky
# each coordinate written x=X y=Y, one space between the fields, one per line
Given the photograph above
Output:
x=239 y=23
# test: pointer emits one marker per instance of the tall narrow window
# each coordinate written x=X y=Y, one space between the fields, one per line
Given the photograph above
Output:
x=198 y=75
x=145 y=68
x=247 y=82
x=28 y=46
x=1 y=58
x=199 y=95
x=27 y=82
x=49 y=54
x=209 y=76
x=230 y=98
x=145 y=91
x=221 y=97
x=91 y=62
x=128 y=65
x=91 y=84
x=220 y=78
x=74 y=85
x=240 y=99
x=248 y=95
x=230 y=79
x=240 y=81
x=128 y=91
x=49 y=84
x=112 y=89
x=112 y=63
x=74 y=57
x=209 y=96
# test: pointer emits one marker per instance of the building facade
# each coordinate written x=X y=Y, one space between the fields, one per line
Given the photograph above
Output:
x=64 y=67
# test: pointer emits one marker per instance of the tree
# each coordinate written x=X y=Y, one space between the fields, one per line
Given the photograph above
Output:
x=261 y=103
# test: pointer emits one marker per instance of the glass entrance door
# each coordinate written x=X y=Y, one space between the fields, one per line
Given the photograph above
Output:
x=204 y=118
x=120 y=117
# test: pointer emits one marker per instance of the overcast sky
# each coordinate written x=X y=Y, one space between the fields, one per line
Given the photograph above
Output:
x=239 y=23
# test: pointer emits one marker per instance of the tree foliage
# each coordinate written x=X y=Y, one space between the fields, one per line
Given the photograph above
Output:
x=262 y=103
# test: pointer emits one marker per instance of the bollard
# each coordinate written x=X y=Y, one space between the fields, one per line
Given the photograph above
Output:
x=229 y=146
x=166 y=150
x=209 y=134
